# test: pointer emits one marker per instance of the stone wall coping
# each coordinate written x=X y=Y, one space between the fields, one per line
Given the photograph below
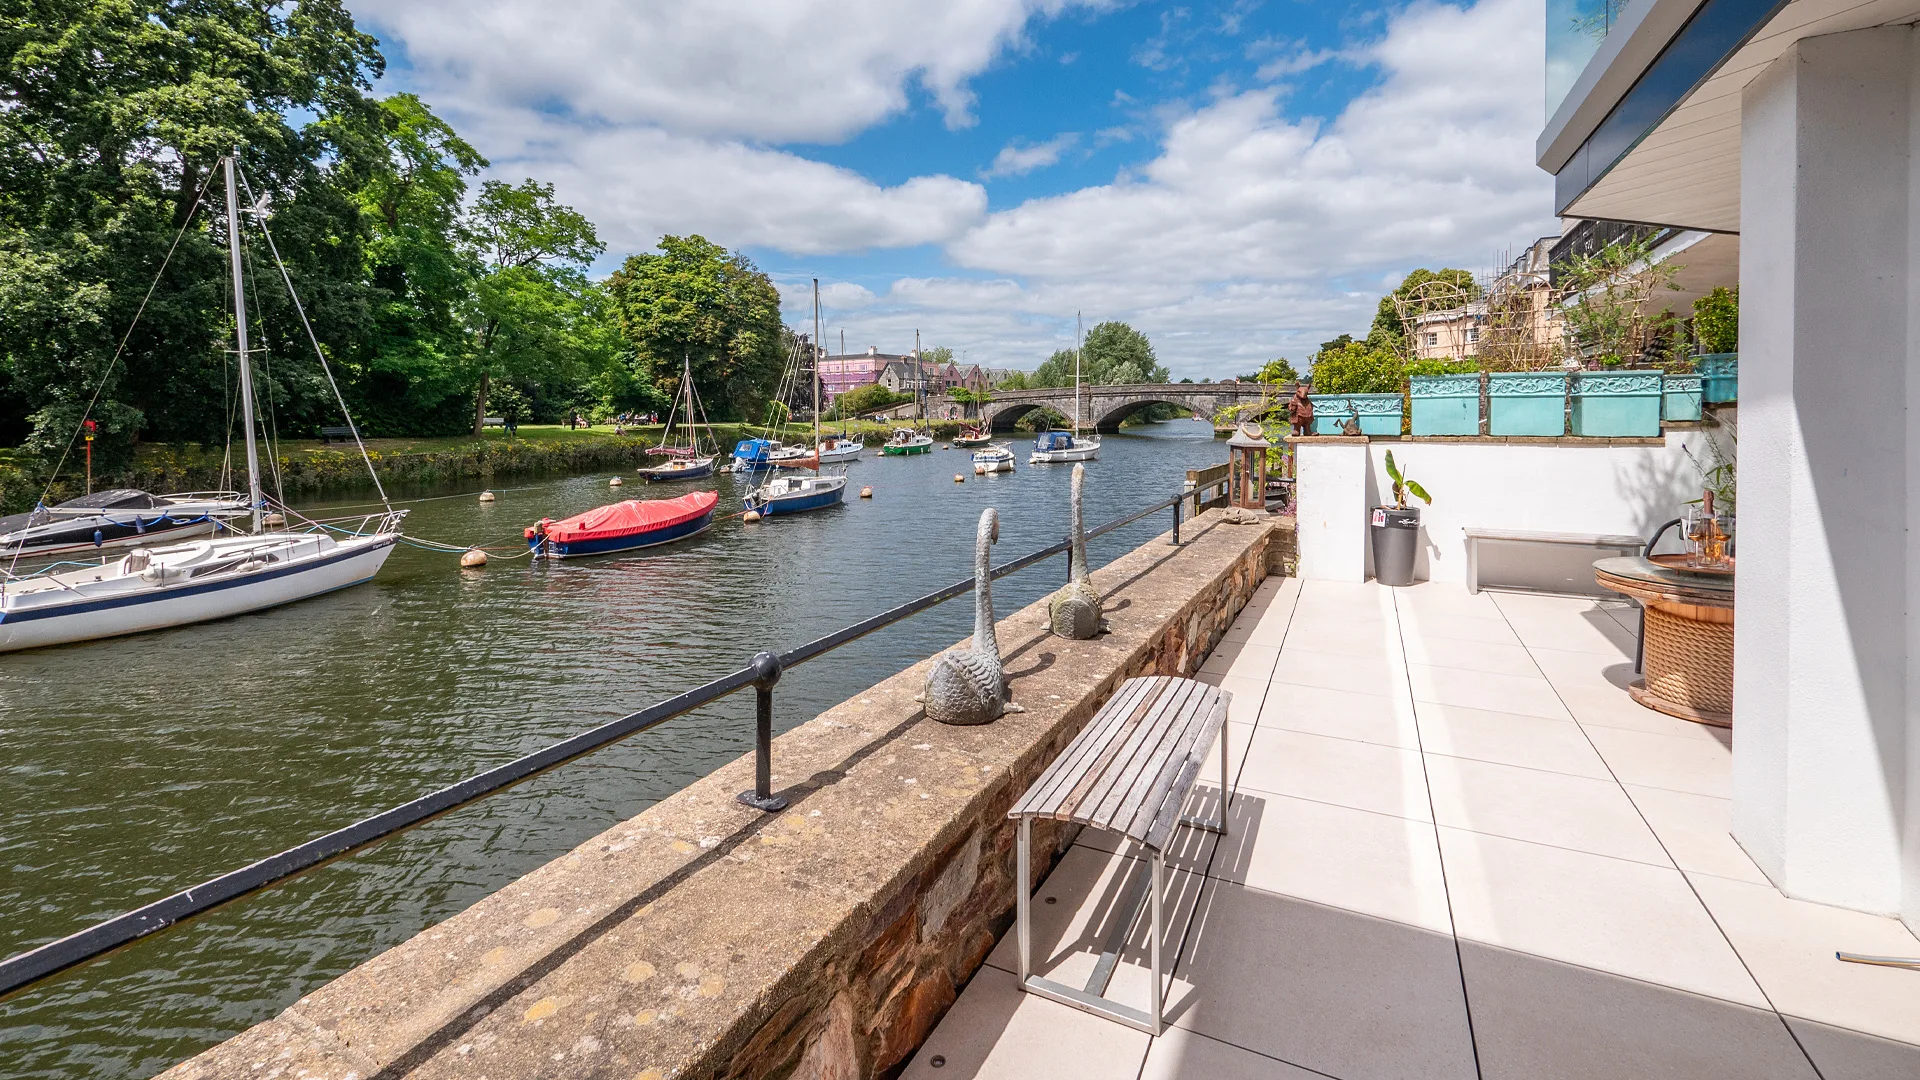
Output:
x=703 y=938
x=1571 y=441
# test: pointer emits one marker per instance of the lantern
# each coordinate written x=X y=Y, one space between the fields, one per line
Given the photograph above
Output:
x=1247 y=468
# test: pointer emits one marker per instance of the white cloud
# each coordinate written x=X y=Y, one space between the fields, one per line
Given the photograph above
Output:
x=1018 y=158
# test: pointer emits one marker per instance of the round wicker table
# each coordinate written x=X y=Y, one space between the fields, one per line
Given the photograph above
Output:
x=1689 y=637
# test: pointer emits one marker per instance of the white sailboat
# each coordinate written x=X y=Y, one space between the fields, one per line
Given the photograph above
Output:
x=790 y=494
x=174 y=585
x=692 y=461
x=1056 y=446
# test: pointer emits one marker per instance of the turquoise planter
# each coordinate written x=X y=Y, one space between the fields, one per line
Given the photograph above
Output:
x=1379 y=413
x=1526 y=403
x=1616 y=403
x=1719 y=377
x=1445 y=404
x=1680 y=397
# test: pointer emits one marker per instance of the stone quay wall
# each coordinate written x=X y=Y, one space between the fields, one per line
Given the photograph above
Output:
x=703 y=939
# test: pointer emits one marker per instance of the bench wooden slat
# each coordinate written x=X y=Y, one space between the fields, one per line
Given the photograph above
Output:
x=1130 y=769
x=1043 y=797
x=1152 y=750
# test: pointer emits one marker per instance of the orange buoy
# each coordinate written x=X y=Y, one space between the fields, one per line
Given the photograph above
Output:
x=866 y=493
x=473 y=559
x=958 y=479
x=486 y=496
x=751 y=515
x=615 y=482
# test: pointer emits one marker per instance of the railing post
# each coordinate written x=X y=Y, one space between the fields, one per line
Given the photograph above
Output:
x=766 y=669
x=1176 y=521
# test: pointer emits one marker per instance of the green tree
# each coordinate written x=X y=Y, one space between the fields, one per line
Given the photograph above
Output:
x=115 y=116
x=535 y=316
x=1278 y=372
x=1436 y=288
x=696 y=298
x=1357 y=368
x=937 y=354
x=865 y=399
x=1118 y=354
x=1015 y=380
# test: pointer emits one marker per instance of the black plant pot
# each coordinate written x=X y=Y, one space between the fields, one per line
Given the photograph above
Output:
x=1396 y=539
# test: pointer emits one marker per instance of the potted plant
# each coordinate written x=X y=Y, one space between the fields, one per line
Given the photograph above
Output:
x=1716 y=325
x=1396 y=530
x=1444 y=397
x=1356 y=381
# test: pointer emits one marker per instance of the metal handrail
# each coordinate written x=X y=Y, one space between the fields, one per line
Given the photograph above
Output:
x=25 y=970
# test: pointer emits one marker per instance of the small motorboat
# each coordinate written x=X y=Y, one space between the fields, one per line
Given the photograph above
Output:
x=973 y=436
x=840 y=448
x=624 y=526
x=906 y=441
x=754 y=455
x=796 y=494
x=1053 y=446
x=993 y=459
x=120 y=518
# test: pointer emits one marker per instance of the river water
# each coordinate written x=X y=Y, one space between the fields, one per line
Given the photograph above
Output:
x=133 y=768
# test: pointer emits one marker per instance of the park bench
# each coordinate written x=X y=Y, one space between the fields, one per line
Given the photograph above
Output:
x=1550 y=562
x=1129 y=771
x=493 y=421
x=341 y=432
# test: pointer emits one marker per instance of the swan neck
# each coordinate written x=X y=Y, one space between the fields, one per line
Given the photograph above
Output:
x=983 y=638
x=1077 y=549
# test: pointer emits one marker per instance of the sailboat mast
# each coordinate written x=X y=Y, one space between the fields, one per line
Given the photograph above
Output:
x=1078 y=344
x=240 y=331
x=817 y=350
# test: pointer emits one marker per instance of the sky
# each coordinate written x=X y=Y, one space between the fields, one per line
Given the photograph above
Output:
x=1239 y=179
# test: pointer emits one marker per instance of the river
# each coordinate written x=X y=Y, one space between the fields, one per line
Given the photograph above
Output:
x=133 y=768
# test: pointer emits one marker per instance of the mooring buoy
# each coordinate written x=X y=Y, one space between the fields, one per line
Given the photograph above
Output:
x=866 y=493
x=751 y=515
x=486 y=496
x=473 y=559
x=615 y=482
x=958 y=479
x=979 y=470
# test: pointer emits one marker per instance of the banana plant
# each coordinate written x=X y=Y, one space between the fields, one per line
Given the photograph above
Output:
x=1403 y=486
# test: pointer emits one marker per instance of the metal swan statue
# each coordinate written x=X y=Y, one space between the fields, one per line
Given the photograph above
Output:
x=1075 y=610
x=967 y=685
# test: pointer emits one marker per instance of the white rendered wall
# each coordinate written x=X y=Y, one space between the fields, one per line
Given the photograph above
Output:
x=1824 y=734
x=1564 y=487
x=1331 y=509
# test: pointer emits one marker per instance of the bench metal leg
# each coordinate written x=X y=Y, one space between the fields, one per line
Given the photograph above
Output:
x=1091 y=998
x=1219 y=822
x=1158 y=930
x=1023 y=900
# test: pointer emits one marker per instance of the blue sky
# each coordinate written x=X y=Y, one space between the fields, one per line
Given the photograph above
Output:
x=1239 y=179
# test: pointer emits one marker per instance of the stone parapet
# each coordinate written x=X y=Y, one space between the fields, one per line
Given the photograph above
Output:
x=704 y=939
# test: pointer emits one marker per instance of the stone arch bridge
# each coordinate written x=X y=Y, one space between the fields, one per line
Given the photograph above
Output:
x=1104 y=407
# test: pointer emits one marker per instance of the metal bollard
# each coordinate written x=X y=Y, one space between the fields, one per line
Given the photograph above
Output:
x=766 y=668
x=1176 y=523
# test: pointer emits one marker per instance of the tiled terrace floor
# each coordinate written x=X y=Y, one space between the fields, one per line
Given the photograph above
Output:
x=1457 y=849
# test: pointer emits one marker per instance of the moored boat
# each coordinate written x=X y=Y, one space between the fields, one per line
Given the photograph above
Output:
x=116 y=519
x=794 y=494
x=993 y=459
x=691 y=461
x=624 y=526
x=679 y=466
x=1055 y=446
x=973 y=436
x=840 y=448
x=906 y=441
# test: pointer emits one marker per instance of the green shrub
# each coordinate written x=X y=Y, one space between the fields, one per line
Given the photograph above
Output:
x=1443 y=367
x=1355 y=368
x=1716 y=321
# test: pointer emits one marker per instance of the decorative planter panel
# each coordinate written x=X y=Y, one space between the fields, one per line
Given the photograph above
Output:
x=1680 y=397
x=1719 y=377
x=1445 y=404
x=1379 y=413
x=1616 y=403
x=1526 y=403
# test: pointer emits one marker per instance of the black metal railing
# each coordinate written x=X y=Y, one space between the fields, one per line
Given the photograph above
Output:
x=34 y=966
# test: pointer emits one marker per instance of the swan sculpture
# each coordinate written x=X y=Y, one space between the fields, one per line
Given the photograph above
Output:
x=967 y=685
x=1075 y=610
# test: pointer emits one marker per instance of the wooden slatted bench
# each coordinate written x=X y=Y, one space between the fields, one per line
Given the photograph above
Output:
x=1129 y=771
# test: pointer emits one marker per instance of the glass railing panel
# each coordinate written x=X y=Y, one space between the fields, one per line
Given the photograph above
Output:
x=1575 y=29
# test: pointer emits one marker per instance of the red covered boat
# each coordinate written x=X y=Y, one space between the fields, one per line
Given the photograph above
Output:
x=635 y=523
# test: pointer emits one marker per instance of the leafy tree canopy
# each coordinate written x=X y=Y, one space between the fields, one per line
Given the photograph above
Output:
x=1278 y=371
x=1357 y=368
x=1113 y=354
x=696 y=298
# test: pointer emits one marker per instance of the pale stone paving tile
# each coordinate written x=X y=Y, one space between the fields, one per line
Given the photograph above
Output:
x=1330 y=990
x=1612 y=708
x=1323 y=635
x=1364 y=776
x=1337 y=671
x=1244 y=695
x=1612 y=915
x=1494 y=631
x=1570 y=668
x=1481 y=690
x=1342 y=714
x=1374 y=864
x=1471 y=656
x=1241 y=659
x=1574 y=812
x=1789 y=945
x=1180 y=1054
x=1531 y=742
x=1697 y=831
x=1704 y=767
x=997 y=1030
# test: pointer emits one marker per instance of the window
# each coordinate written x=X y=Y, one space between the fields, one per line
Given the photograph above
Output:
x=1473 y=335
x=1432 y=340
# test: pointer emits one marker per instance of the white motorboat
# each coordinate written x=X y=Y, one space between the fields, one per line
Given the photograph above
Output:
x=152 y=588
x=840 y=448
x=992 y=459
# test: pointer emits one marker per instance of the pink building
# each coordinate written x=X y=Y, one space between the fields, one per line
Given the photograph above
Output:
x=850 y=371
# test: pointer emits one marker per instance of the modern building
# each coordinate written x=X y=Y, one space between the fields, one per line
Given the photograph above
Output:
x=1794 y=127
